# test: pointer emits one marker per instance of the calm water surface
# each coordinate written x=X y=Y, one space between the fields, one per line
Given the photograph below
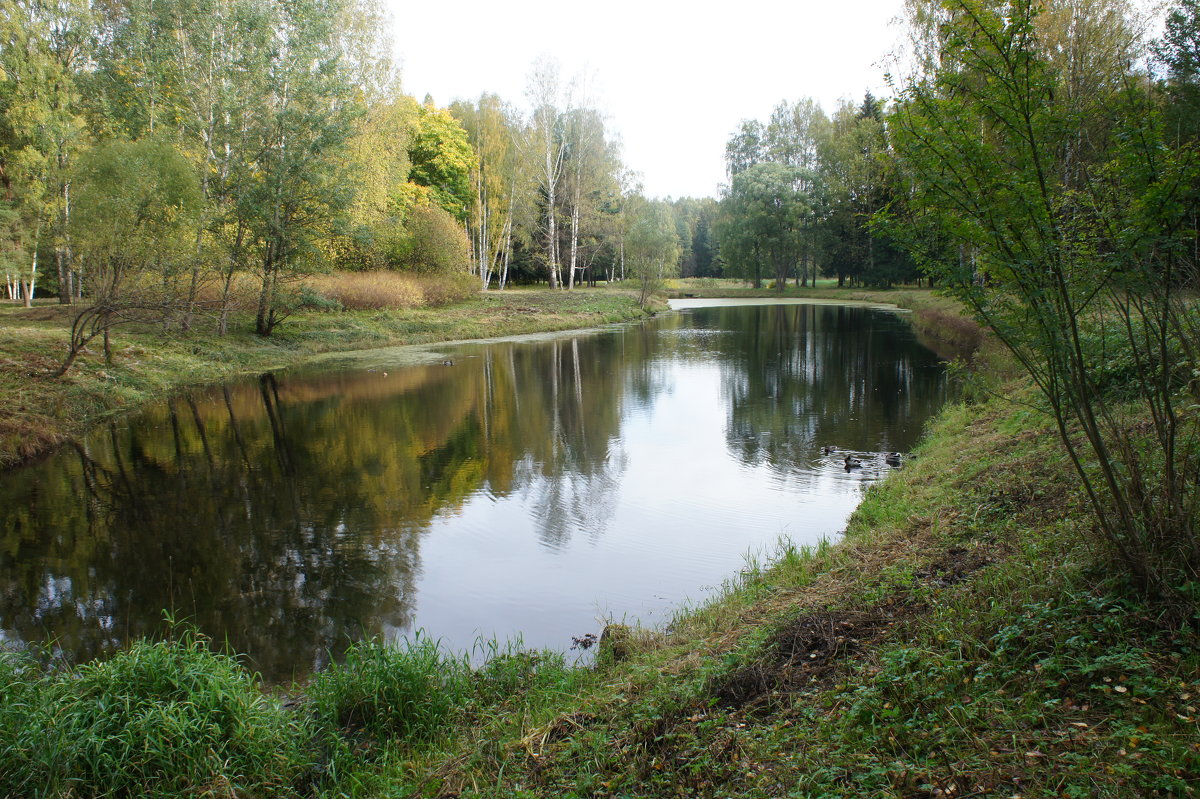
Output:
x=530 y=489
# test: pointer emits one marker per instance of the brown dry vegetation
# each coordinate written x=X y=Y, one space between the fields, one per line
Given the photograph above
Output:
x=359 y=291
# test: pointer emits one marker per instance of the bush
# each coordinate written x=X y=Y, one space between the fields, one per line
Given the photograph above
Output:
x=405 y=691
x=435 y=243
x=311 y=299
x=170 y=718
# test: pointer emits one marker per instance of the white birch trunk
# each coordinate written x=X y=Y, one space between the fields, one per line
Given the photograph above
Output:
x=31 y=284
x=574 y=240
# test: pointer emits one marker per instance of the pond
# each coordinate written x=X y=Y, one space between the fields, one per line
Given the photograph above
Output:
x=528 y=489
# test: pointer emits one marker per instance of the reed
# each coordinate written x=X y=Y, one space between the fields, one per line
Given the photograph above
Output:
x=382 y=289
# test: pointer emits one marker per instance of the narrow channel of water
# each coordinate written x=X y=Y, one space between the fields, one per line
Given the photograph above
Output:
x=528 y=489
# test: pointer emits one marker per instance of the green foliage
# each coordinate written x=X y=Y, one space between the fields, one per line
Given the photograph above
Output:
x=762 y=217
x=1077 y=251
x=311 y=299
x=651 y=246
x=508 y=671
x=137 y=208
x=165 y=719
x=407 y=691
x=298 y=191
x=1179 y=52
x=442 y=160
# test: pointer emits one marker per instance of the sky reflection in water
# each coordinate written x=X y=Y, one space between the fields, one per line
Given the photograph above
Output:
x=531 y=489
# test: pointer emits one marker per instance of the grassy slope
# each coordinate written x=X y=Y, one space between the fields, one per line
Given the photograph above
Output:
x=964 y=639
x=959 y=642
x=37 y=412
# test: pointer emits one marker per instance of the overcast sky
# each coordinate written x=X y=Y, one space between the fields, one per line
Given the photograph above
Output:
x=675 y=78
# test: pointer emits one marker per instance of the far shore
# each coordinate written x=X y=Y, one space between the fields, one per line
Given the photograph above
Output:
x=39 y=412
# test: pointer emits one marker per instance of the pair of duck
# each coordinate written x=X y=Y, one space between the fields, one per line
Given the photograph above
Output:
x=851 y=462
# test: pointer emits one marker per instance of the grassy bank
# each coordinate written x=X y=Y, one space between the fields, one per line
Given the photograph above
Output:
x=38 y=412
x=962 y=640
x=965 y=639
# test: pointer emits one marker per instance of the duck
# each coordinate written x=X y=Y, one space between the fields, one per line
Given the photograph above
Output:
x=828 y=450
x=852 y=462
x=447 y=363
x=892 y=459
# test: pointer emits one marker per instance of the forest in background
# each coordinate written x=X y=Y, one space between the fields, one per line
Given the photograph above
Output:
x=175 y=162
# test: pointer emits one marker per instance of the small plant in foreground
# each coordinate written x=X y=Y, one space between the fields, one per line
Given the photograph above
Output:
x=405 y=691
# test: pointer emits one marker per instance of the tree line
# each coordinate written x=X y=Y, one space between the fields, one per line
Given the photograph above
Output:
x=804 y=195
x=157 y=156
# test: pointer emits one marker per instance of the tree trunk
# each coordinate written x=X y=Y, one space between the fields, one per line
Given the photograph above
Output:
x=574 y=244
x=507 y=248
x=64 y=285
x=263 y=317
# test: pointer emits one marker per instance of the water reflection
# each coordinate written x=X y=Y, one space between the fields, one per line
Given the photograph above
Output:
x=510 y=492
x=799 y=376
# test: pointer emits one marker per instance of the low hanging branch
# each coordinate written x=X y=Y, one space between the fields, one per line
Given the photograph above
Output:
x=99 y=318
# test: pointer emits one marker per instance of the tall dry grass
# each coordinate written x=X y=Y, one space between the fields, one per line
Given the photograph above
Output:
x=384 y=289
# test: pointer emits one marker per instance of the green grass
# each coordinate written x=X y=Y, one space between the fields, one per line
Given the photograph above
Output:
x=169 y=719
x=965 y=638
x=386 y=692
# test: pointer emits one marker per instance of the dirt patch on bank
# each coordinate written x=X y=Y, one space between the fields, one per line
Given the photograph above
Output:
x=806 y=652
x=954 y=565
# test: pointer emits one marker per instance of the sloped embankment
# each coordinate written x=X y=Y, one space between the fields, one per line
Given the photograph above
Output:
x=963 y=640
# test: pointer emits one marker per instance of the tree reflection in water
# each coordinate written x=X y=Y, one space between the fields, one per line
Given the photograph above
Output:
x=286 y=515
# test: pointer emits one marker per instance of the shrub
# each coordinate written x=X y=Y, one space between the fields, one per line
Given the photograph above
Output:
x=435 y=243
x=310 y=299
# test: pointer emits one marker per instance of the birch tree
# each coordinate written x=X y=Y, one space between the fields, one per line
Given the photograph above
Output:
x=589 y=181
x=551 y=103
x=40 y=129
x=498 y=178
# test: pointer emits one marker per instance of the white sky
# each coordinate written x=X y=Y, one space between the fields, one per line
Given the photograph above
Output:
x=675 y=77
